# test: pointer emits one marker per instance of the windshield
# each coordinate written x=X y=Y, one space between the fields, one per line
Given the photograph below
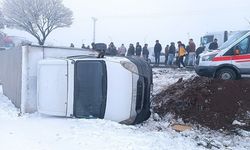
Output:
x=90 y=90
x=207 y=39
x=232 y=39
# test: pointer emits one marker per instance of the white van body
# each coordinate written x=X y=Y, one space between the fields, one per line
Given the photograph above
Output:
x=112 y=88
x=230 y=61
x=18 y=74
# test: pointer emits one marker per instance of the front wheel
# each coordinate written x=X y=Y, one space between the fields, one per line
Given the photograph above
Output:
x=226 y=74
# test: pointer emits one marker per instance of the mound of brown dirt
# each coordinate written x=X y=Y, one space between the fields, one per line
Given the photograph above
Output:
x=211 y=103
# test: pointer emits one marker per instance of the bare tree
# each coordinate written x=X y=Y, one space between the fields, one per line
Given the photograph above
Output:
x=37 y=17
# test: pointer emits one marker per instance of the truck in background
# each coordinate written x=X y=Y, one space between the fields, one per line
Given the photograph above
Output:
x=8 y=42
x=221 y=36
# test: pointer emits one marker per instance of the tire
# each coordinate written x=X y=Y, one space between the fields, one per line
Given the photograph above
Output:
x=226 y=74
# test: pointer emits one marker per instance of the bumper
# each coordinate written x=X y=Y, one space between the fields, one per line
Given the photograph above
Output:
x=143 y=90
x=206 y=71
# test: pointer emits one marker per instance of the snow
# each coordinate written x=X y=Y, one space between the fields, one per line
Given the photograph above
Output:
x=165 y=77
x=236 y=122
x=40 y=132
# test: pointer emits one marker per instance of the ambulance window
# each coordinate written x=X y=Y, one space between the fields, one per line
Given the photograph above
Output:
x=243 y=46
x=230 y=52
x=207 y=39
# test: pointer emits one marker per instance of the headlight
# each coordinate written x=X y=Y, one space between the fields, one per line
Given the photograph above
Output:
x=208 y=57
x=135 y=79
x=130 y=66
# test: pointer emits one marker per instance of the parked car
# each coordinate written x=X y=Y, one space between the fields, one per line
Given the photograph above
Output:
x=230 y=61
x=113 y=88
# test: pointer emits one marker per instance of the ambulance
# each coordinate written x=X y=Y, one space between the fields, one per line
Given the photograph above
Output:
x=230 y=61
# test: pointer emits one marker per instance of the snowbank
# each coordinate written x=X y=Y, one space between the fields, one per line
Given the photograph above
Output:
x=38 y=132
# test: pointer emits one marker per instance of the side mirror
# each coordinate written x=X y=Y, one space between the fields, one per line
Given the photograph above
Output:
x=236 y=52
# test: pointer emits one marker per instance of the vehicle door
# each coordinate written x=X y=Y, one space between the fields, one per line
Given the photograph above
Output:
x=241 y=55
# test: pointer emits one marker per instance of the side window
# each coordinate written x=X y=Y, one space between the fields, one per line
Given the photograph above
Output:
x=243 y=46
x=230 y=52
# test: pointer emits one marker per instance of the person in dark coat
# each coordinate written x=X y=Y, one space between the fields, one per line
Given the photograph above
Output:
x=171 y=53
x=213 y=45
x=72 y=45
x=191 y=53
x=145 y=52
x=83 y=46
x=111 y=50
x=186 y=60
x=131 y=50
x=166 y=54
x=157 y=52
x=199 y=51
x=138 y=49
x=93 y=46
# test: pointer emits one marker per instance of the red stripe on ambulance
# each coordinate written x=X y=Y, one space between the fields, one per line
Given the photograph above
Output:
x=241 y=58
x=238 y=57
x=243 y=61
x=222 y=58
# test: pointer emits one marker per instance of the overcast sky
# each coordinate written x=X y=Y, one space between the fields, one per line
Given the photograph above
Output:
x=129 y=21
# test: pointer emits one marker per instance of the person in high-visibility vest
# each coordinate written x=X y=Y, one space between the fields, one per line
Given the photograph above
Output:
x=181 y=54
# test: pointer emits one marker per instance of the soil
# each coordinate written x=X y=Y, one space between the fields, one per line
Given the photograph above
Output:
x=212 y=103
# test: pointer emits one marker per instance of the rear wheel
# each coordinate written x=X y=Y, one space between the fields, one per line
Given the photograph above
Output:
x=226 y=74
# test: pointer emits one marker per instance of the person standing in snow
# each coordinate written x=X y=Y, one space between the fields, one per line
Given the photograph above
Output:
x=93 y=46
x=122 y=50
x=171 y=53
x=213 y=45
x=83 y=46
x=186 y=57
x=157 y=52
x=72 y=45
x=166 y=54
x=145 y=52
x=181 y=54
x=138 y=49
x=111 y=49
x=191 y=54
x=131 y=50
x=199 y=50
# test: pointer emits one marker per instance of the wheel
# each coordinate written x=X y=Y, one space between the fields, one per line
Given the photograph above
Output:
x=226 y=74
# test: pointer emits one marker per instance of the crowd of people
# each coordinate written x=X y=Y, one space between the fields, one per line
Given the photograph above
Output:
x=181 y=55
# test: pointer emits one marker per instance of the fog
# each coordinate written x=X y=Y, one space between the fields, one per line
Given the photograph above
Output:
x=144 y=21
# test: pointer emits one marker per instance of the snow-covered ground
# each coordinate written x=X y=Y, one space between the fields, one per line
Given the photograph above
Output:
x=165 y=77
x=39 y=132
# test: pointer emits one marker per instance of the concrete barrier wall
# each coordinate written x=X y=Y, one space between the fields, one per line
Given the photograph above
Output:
x=10 y=74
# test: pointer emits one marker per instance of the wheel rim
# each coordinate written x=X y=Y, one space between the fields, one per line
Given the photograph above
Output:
x=226 y=76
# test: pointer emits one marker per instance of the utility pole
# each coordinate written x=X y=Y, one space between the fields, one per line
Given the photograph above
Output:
x=94 y=22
